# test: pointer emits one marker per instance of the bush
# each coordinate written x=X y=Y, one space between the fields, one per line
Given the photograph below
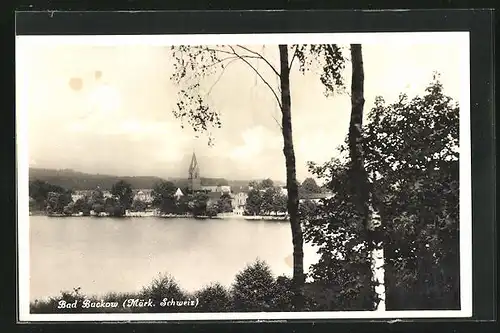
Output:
x=138 y=206
x=253 y=288
x=120 y=298
x=86 y=211
x=282 y=294
x=212 y=210
x=51 y=305
x=98 y=208
x=164 y=287
x=69 y=209
x=214 y=298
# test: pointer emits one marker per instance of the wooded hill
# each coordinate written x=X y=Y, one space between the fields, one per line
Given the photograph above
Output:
x=76 y=180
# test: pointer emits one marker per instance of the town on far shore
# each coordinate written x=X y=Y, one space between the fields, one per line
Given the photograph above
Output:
x=257 y=200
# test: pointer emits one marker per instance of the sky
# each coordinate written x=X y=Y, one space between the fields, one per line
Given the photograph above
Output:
x=108 y=108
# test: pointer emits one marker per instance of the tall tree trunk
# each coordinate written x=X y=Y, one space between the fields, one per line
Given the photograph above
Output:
x=359 y=177
x=358 y=172
x=291 y=181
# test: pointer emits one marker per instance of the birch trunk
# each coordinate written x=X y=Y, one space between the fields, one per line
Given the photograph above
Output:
x=359 y=178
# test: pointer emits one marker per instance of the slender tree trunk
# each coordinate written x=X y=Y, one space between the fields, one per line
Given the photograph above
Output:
x=291 y=181
x=358 y=172
x=359 y=177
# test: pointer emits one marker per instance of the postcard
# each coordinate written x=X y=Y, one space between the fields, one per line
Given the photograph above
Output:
x=244 y=177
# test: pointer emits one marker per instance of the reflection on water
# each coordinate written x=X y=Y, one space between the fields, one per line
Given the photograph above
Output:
x=101 y=255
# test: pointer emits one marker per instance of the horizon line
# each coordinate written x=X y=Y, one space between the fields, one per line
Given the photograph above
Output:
x=142 y=176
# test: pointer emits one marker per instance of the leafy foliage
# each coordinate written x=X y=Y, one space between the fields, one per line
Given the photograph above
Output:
x=183 y=204
x=280 y=202
x=214 y=298
x=307 y=209
x=273 y=201
x=253 y=288
x=164 y=197
x=411 y=156
x=123 y=191
x=268 y=200
x=139 y=205
x=211 y=210
x=265 y=198
x=83 y=205
x=224 y=204
x=412 y=146
x=163 y=286
x=192 y=65
x=198 y=204
x=39 y=191
x=253 y=203
x=330 y=59
x=336 y=228
x=195 y=65
x=113 y=207
x=69 y=208
x=96 y=197
x=309 y=185
x=266 y=183
x=56 y=202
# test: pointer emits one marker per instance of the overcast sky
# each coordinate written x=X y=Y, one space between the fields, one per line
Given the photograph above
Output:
x=108 y=109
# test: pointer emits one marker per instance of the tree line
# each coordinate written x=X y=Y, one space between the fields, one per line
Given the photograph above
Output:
x=264 y=198
x=254 y=288
x=55 y=199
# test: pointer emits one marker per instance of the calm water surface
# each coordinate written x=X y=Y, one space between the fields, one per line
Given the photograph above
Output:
x=102 y=255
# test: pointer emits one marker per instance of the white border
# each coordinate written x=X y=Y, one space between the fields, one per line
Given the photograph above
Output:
x=254 y=39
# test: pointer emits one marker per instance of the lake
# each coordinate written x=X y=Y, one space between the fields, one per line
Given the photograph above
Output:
x=103 y=255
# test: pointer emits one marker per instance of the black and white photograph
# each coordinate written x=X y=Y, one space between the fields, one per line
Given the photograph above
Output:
x=244 y=177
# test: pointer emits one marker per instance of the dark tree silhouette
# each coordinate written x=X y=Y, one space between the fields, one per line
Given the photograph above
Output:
x=411 y=161
x=123 y=190
x=309 y=185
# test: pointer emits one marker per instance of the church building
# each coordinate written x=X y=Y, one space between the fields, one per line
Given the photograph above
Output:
x=194 y=180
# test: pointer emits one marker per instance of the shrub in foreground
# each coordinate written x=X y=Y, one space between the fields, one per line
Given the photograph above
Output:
x=214 y=298
x=254 y=288
x=162 y=289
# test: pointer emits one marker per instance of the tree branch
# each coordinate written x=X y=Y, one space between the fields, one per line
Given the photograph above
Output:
x=260 y=57
x=277 y=122
x=220 y=61
x=222 y=73
x=293 y=57
x=257 y=72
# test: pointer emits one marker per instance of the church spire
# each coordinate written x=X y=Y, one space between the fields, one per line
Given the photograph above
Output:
x=193 y=167
x=194 y=175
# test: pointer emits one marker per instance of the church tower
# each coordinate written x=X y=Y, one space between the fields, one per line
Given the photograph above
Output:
x=194 y=180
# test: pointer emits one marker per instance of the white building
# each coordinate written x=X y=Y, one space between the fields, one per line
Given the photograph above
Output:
x=218 y=188
x=178 y=193
x=145 y=195
x=238 y=201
